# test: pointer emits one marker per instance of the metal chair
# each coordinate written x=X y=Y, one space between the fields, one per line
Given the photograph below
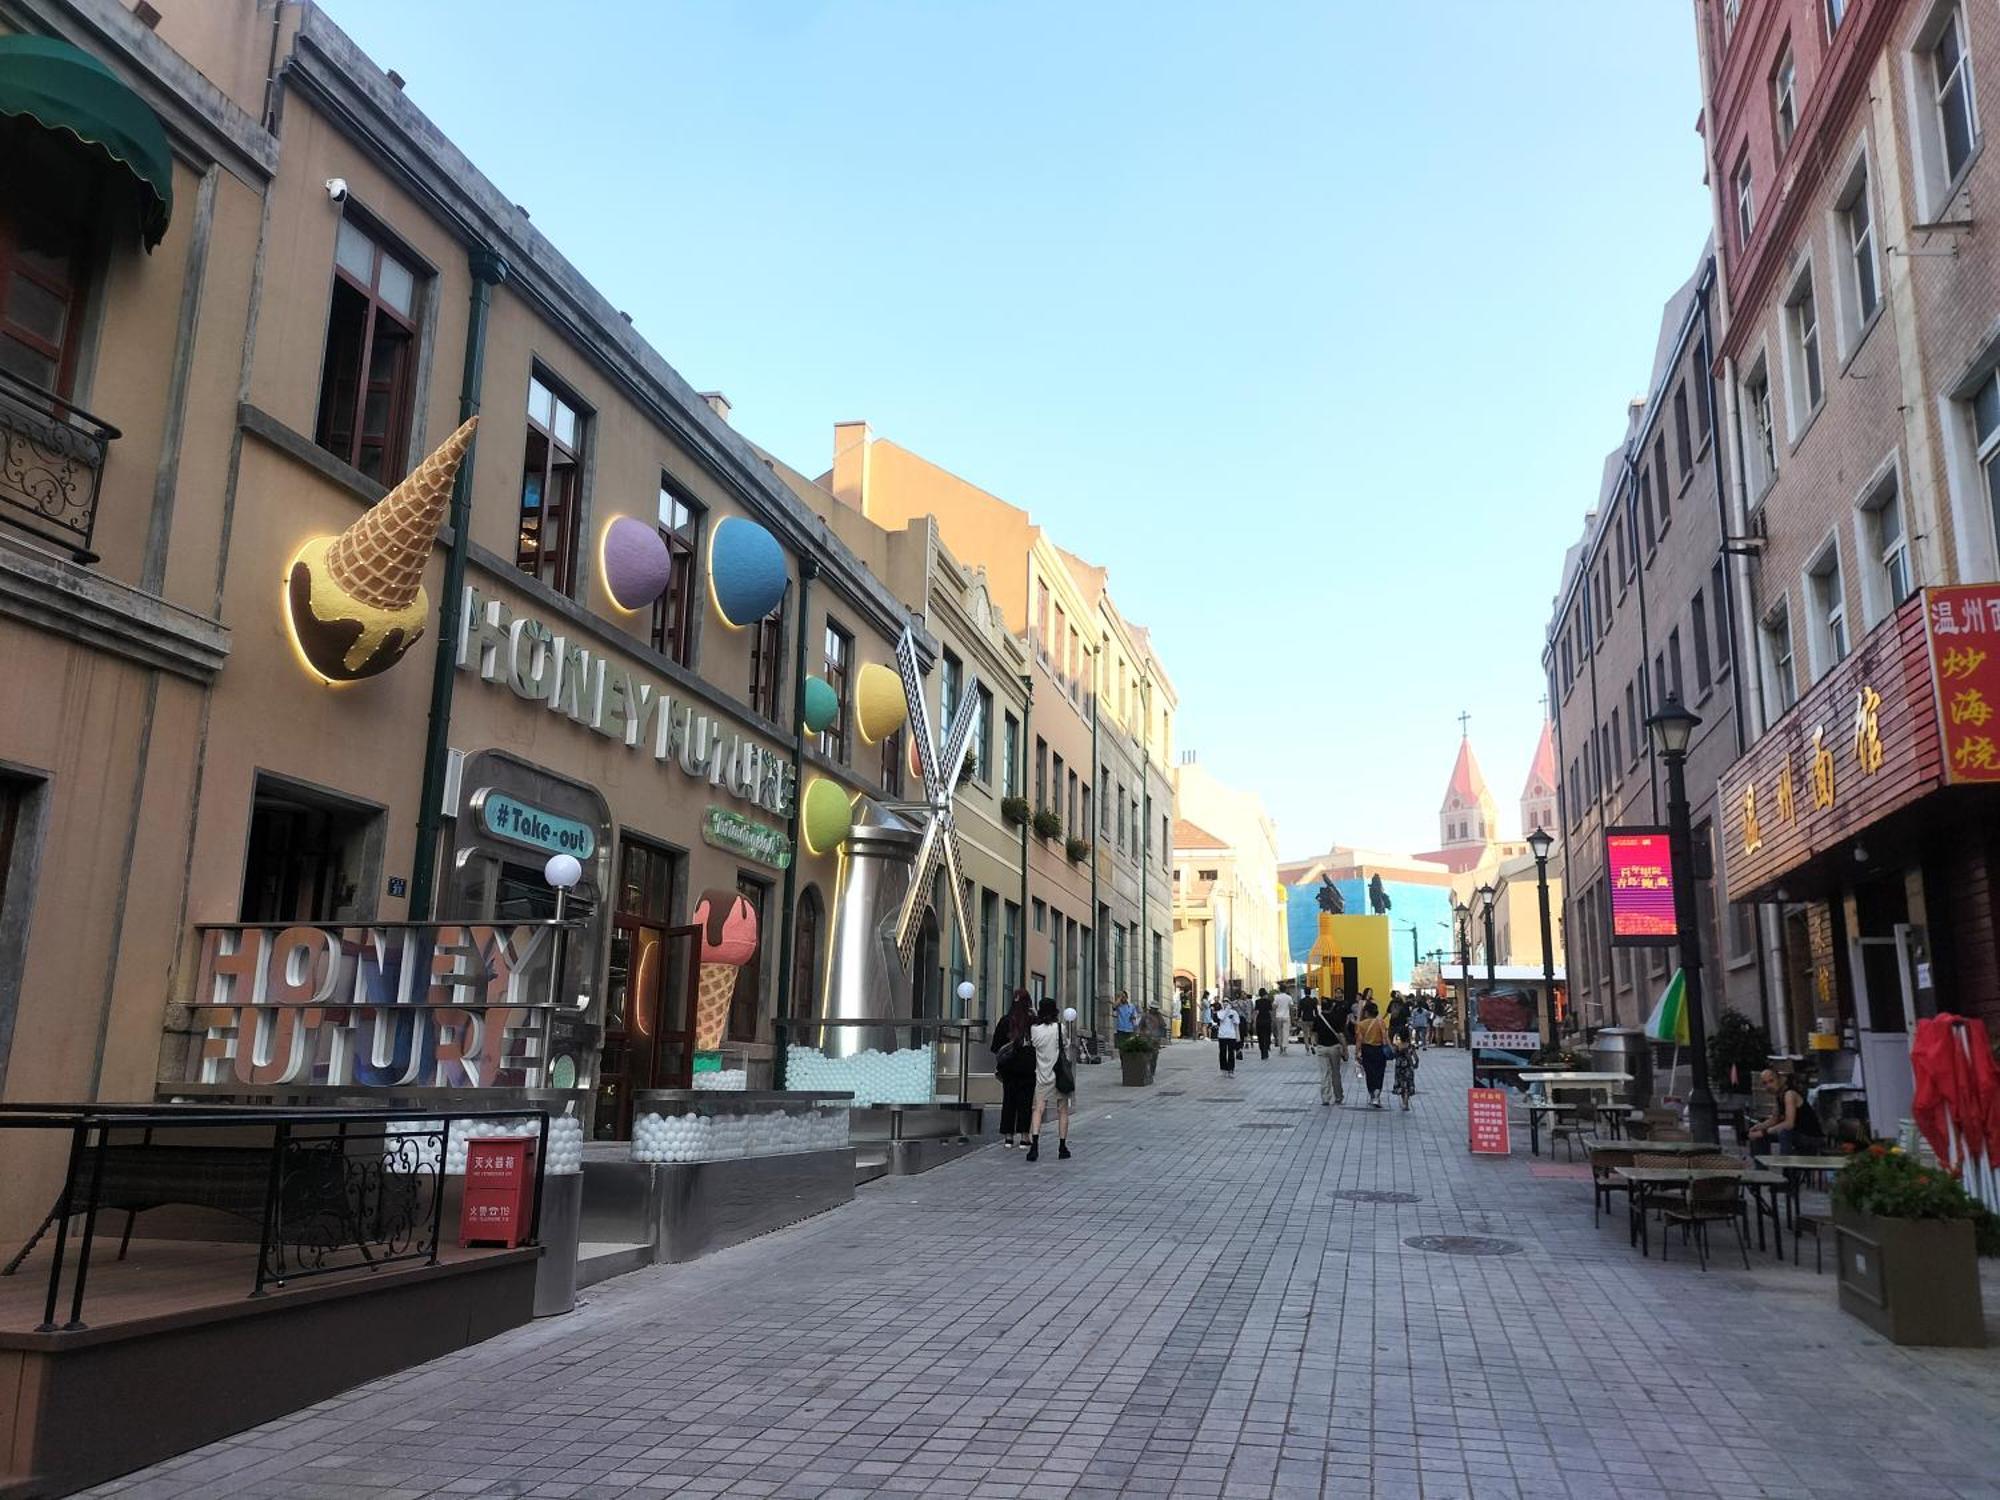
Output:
x=1709 y=1200
x=1580 y=1121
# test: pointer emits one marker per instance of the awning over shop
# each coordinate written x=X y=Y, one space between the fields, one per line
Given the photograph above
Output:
x=66 y=91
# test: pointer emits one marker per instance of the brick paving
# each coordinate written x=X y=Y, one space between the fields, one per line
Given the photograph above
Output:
x=1189 y=1307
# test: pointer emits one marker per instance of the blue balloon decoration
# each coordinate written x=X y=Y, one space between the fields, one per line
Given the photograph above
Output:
x=746 y=569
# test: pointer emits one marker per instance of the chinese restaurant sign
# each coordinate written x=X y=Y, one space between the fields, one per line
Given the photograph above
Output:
x=1962 y=630
x=408 y=1005
x=1861 y=744
x=1486 y=1122
x=1641 y=870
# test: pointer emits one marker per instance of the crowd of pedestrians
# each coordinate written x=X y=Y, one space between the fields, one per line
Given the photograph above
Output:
x=1335 y=1029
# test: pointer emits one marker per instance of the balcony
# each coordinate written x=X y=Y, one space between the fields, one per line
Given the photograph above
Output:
x=51 y=464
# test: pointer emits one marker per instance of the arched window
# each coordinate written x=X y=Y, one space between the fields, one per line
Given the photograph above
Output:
x=807 y=931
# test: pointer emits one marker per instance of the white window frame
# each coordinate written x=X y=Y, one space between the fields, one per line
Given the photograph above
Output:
x=1853 y=251
x=1785 y=99
x=1805 y=351
x=1882 y=590
x=1985 y=456
x=1828 y=639
x=1936 y=183
x=1760 y=437
x=1744 y=181
x=1780 y=658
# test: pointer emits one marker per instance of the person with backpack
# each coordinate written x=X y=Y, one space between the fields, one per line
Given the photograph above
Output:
x=1309 y=1021
x=1014 y=1065
x=1055 y=1078
x=1228 y=1034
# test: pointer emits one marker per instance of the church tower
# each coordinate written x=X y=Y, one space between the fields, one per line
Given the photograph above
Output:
x=1469 y=817
x=1538 y=797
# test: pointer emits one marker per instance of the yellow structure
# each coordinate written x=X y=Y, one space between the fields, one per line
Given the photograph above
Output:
x=1363 y=940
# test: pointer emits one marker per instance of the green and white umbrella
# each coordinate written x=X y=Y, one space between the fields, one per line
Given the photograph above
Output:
x=1669 y=1020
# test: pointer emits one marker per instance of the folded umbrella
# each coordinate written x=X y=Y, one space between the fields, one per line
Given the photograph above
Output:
x=1669 y=1020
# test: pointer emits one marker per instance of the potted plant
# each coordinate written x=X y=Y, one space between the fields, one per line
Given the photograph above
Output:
x=1048 y=823
x=1739 y=1050
x=1014 y=810
x=1909 y=1237
x=1077 y=849
x=1138 y=1055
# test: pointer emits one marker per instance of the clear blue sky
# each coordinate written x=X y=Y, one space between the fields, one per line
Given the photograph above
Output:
x=1313 y=322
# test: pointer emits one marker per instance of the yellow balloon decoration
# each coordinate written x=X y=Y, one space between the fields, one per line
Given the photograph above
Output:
x=825 y=816
x=879 y=705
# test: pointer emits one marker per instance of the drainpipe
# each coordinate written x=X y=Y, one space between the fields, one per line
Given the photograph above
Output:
x=1097 y=941
x=780 y=1028
x=488 y=271
x=1027 y=729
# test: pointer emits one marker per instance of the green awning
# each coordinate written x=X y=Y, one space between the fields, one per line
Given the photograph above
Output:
x=66 y=90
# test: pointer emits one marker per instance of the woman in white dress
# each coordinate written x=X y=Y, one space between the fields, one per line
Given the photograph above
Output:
x=1052 y=1039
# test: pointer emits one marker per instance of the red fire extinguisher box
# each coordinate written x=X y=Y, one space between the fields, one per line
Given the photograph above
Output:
x=499 y=1191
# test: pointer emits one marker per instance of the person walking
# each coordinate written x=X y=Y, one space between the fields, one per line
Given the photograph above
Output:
x=1014 y=1065
x=1403 y=1043
x=1330 y=1022
x=1420 y=1022
x=1263 y=1024
x=1228 y=1034
x=1281 y=1020
x=1371 y=1034
x=1308 y=1021
x=1054 y=1067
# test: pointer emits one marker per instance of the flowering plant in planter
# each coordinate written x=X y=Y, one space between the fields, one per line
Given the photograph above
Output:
x=1015 y=810
x=1077 y=849
x=1048 y=823
x=1888 y=1182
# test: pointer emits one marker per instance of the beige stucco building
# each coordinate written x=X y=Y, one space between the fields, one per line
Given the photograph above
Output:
x=1229 y=903
x=335 y=289
x=1096 y=736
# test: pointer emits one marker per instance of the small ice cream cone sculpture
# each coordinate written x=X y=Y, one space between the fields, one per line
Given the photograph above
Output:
x=728 y=941
x=356 y=601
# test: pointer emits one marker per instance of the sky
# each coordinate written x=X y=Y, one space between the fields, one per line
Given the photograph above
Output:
x=1312 y=322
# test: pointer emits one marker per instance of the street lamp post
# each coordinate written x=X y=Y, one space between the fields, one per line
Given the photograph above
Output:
x=1539 y=844
x=1486 y=893
x=1462 y=922
x=1671 y=729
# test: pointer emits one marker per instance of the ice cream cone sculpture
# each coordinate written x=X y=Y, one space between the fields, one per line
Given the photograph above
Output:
x=356 y=601
x=728 y=942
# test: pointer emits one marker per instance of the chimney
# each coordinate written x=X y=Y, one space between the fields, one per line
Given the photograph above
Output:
x=850 y=465
x=717 y=403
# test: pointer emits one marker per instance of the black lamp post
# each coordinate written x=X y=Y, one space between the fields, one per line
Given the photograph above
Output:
x=1486 y=893
x=1671 y=730
x=1462 y=925
x=1539 y=844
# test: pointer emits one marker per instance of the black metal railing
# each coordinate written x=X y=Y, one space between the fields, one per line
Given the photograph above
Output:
x=330 y=1190
x=51 y=465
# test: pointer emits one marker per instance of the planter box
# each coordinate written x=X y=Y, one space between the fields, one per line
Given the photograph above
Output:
x=1914 y=1281
x=1138 y=1067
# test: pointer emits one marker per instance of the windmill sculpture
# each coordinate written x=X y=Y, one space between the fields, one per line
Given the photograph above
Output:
x=936 y=814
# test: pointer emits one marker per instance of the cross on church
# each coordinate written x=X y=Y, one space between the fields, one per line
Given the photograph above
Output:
x=1464 y=719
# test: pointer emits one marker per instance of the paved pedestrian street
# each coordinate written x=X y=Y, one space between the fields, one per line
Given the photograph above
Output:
x=1216 y=1297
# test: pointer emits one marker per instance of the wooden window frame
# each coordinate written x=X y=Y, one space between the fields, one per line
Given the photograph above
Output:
x=401 y=394
x=564 y=564
x=672 y=631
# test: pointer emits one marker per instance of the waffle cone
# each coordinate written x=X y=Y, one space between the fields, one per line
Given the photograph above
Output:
x=380 y=558
x=715 y=989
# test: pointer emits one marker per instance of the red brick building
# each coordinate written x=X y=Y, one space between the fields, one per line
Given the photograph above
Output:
x=1858 y=358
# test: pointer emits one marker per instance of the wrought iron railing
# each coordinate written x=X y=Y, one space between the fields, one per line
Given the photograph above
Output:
x=51 y=464
x=331 y=1190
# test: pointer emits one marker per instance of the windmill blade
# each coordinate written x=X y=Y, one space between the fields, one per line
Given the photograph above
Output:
x=956 y=882
x=958 y=740
x=920 y=712
x=923 y=874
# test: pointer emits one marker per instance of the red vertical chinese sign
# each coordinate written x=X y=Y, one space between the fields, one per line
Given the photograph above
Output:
x=1962 y=630
x=1486 y=1122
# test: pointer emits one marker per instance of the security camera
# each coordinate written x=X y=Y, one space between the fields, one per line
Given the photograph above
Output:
x=336 y=189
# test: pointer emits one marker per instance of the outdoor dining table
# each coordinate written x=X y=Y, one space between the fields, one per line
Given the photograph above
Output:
x=1643 y=1180
x=1607 y=1084
x=1655 y=1148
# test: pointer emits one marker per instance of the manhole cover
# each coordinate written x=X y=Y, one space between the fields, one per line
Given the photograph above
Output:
x=1375 y=1195
x=1263 y=1125
x=1461 y=1244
